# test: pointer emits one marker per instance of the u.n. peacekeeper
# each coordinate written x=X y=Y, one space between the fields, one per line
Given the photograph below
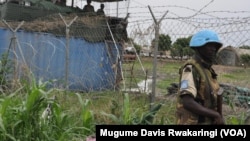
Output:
x=199 y=92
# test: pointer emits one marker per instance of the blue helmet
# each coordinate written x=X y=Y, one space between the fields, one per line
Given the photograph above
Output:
x=203 y=37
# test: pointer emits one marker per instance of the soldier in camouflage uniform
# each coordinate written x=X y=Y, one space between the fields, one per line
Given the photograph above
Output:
x=198 y=88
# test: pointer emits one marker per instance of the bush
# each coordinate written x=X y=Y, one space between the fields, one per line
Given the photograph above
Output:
x=245 y=59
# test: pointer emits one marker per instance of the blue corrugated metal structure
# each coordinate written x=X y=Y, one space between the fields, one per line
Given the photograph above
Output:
x=89 y=67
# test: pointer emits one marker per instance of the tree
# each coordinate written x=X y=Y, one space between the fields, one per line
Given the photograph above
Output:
x=245 y=47
x=164 y=42
x=136 y=46
x=245 y=59
x=181 y=48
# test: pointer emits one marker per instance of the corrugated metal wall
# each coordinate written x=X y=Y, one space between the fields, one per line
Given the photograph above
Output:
x=90 y=64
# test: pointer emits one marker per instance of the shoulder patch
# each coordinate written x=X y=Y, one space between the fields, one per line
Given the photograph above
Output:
x=184 y=84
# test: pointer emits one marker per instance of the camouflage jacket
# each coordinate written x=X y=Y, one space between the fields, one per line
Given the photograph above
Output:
x=200 y=81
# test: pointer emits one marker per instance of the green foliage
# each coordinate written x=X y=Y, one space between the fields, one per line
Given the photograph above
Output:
x=245 y=47
x=187 y=51
x=236 y=119
x=126 y=110
x=75 y=117
x=124 y=116
x=127 y=116
x=177 y=50
x=182 y=42
x=136 y=46
x=6 y=68
x=148 y=117
x=164 y=42
x=181 y=48
x=229 y=76
x=86 y=116
x=245 y=59
x=22 y=116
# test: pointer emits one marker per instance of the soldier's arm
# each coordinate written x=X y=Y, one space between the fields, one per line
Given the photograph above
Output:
x=191 y=105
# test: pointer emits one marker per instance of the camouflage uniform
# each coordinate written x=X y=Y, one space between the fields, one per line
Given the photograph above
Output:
x=198 y=80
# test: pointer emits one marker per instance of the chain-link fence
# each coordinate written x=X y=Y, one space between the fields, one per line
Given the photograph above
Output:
x=233 y=31
x=70 y=51
x=85 y=53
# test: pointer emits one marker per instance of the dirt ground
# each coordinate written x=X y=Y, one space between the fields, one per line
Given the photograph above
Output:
x=224 y=70
x=220 y=69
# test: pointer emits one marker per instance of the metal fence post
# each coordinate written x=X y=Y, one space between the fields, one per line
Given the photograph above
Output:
x=67 y=49
x=157 y=28
x=14 y=48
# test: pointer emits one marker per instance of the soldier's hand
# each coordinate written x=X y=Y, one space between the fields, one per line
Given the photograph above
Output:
x=219 y=120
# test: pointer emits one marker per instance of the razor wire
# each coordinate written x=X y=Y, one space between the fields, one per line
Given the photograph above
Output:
x=45 y=46
x=233 y=31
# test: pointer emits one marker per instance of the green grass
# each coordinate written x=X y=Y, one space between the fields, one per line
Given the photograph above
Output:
x=168 y=73
x=74 y=114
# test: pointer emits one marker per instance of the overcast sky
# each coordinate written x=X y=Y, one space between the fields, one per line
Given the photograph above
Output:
x=139 y=11
x=196 y=4
x=134 y=6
